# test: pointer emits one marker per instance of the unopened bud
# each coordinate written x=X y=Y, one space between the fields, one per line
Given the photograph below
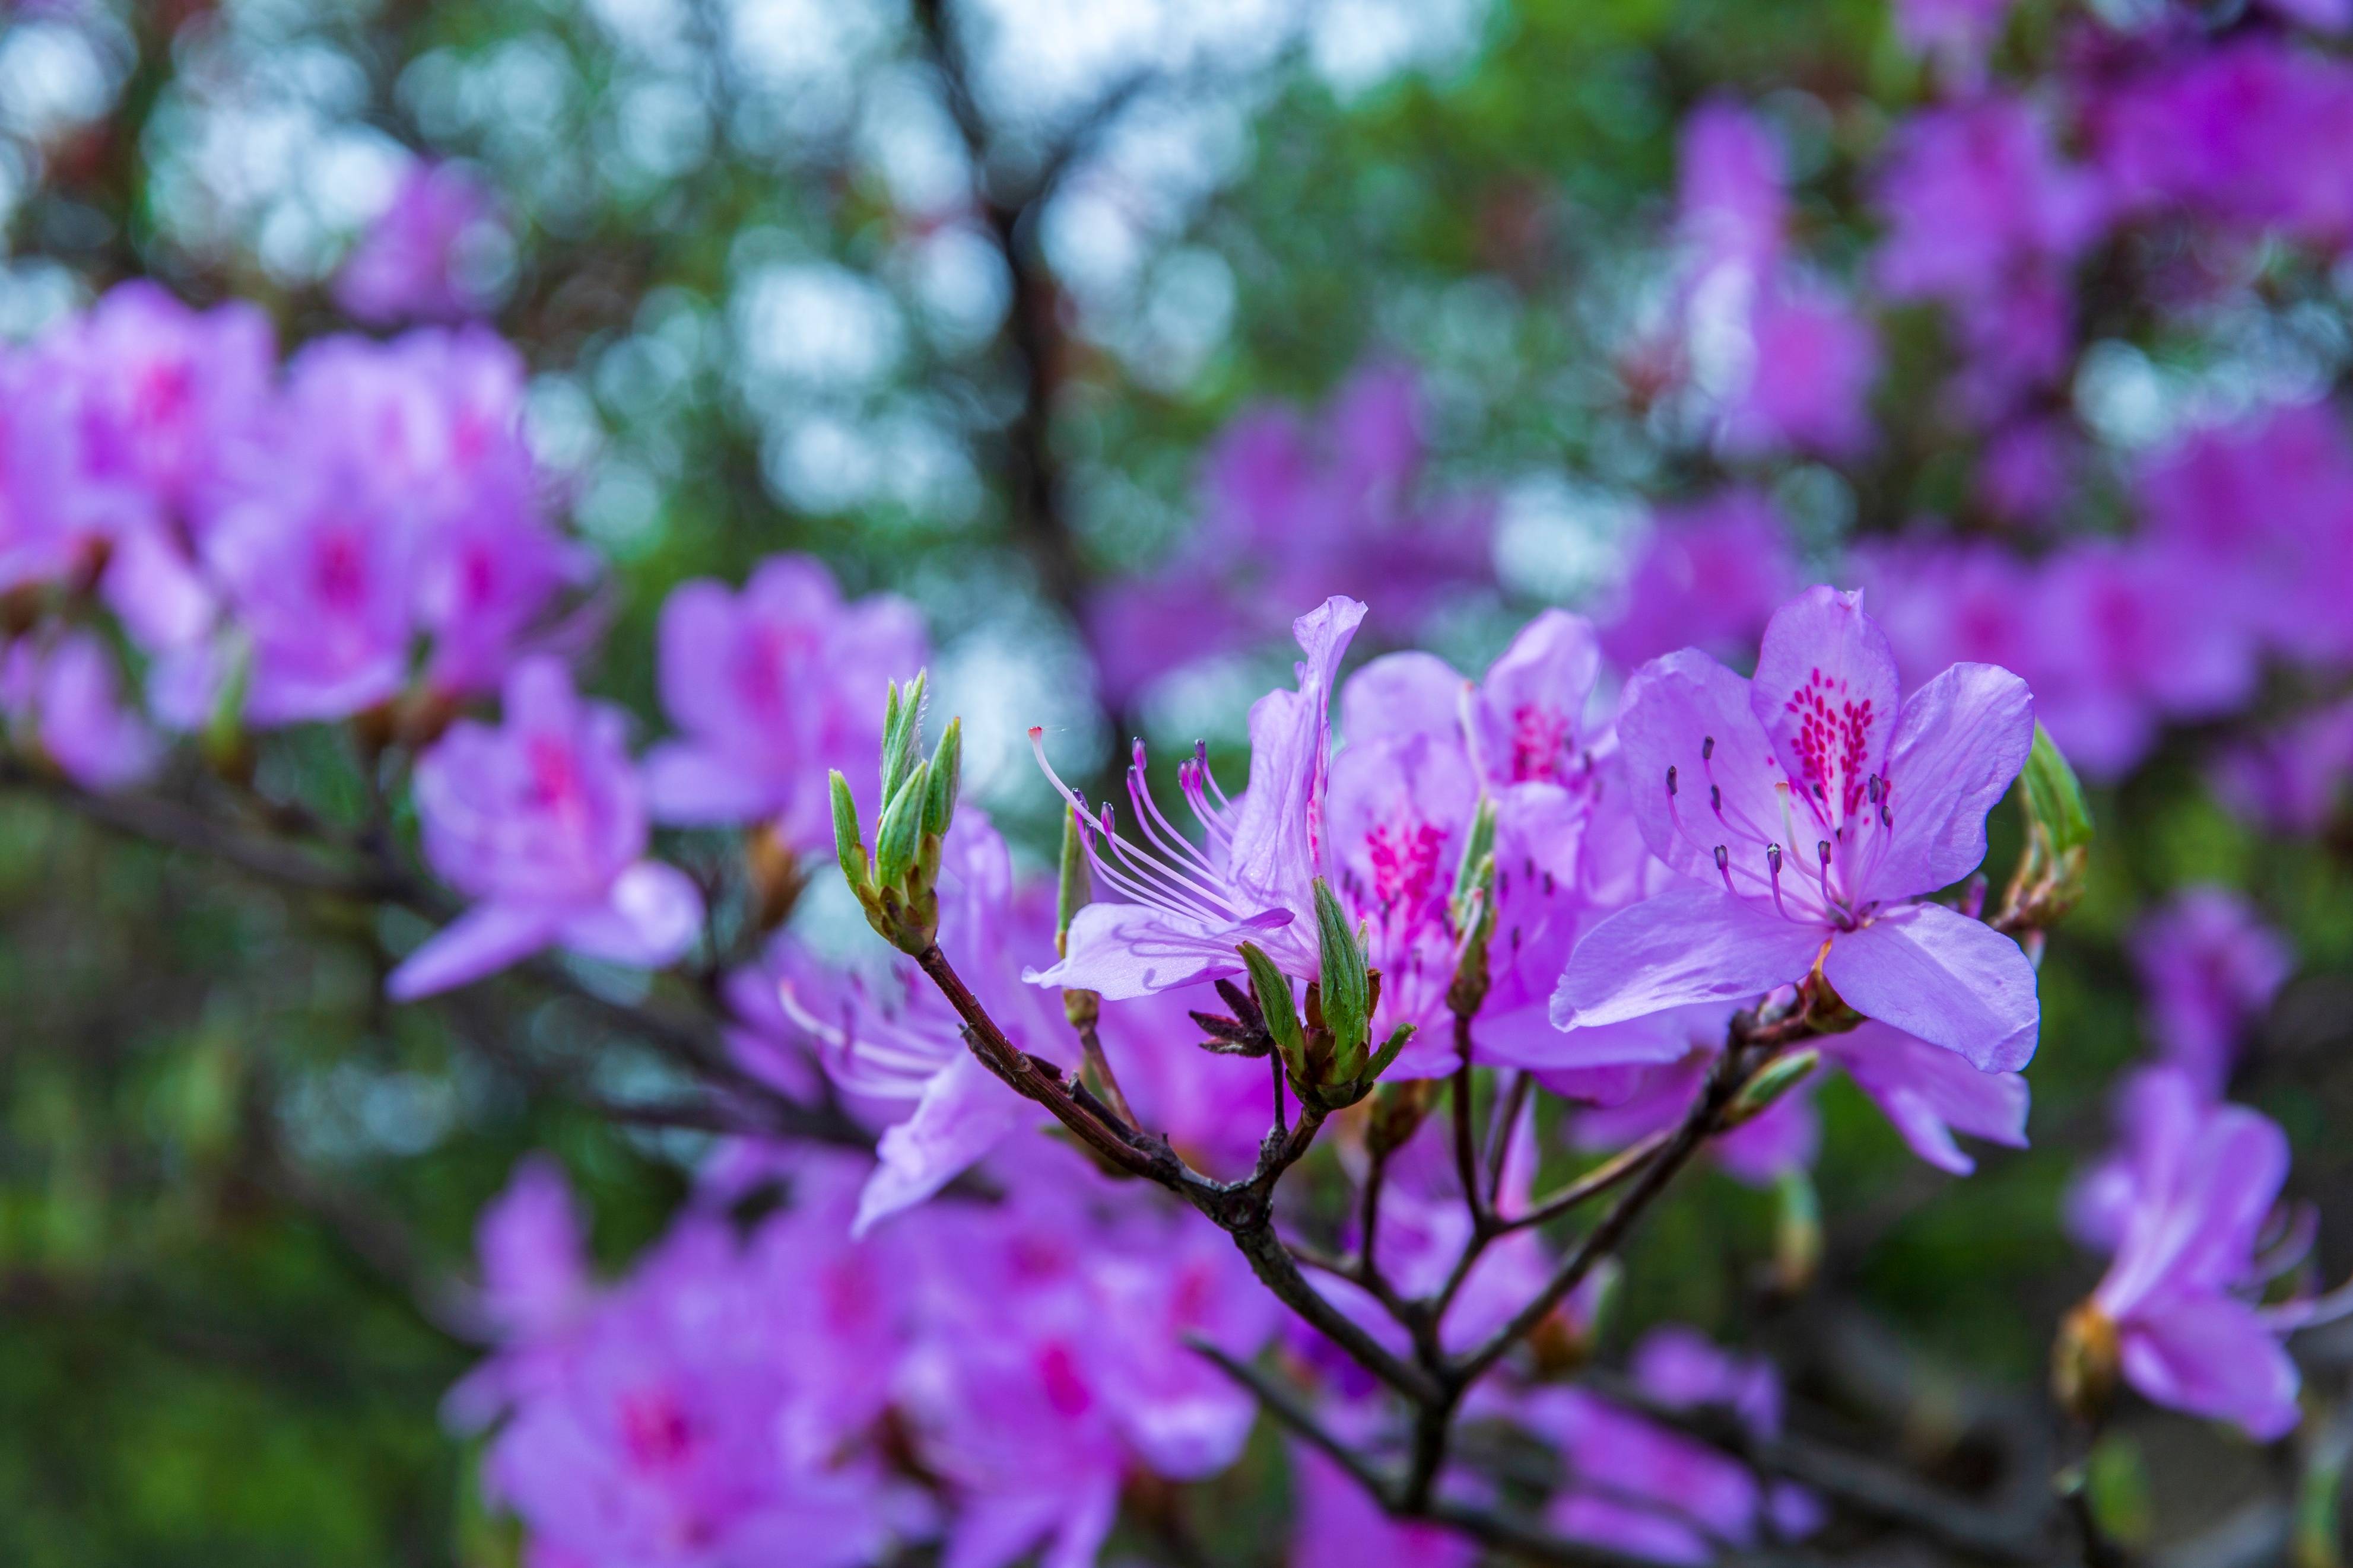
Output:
x=1397 y=1109
x=946 y=779
x=1797 y=1233
x=1270 y=990
x=776 y=876
x=1770 y=1083
x=1347 y=988
x=2084 y=1360
x=1075 y=886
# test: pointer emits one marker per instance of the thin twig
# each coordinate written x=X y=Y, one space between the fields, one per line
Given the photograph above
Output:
x=1592 y=1184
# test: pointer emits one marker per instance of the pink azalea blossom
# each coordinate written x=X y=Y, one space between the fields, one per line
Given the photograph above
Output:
x=2241 y=134
x=2255 y=512
x=1635 y=1486
x=2191 y=1197
x=1707 y=575
x=1784 y=361
x=1338 y=1524
x=67 y=699
x=2209 y=969
x=1052 y=1360
x=542 y=822
x=895 y=1040
x=772 y=688
x=435 y=252
x=2291 y=778
x=1171 y=913
x=1809 y=811
x=656 y=1427
x=1294 y=511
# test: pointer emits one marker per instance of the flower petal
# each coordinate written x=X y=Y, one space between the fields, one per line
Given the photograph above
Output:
x=1826 y=692
x=963 y=1114
x=2211 y=1355
x=1929 y=1093
x=1694 y=944
x=1122 y=951
x=689 y=783
x=1689 y=713
x=1402 y=694
x=1961 y=739
x=1935 y=973
x=653 y=914
x=1530 y=708
x=1278 y=833
x=483 y=941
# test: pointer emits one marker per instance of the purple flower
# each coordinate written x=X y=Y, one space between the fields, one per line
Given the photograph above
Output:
x=1643 y=1076
x=2197 y=1181
x=162 y=394
x=664 y=1427
x=436 y=253
x=1957 y=32
x=1053 y=1361
x=2254 y=513
x=1178 y=912
x=2208 y=968
x=1808 y=811
x=1337 y=1524
x=1785 y=362
x=2027 y=471
x=1293 y=513
x=542 y=823
x=394 y=498
x=2290 y=779
x=1974 y=195
x=1734 y=205
x=772 y=688
x=1983 y=217
x=1707 y=575
x=1684 y=1369
x=2240 y=135
x=1635 y=1486
x=52 y=521
x=1812 y=360
x=318 y=579
x=1785 y=1137
x=68 y=697
x=1425 y=1227
x=895 y=1039
x=534 y=1247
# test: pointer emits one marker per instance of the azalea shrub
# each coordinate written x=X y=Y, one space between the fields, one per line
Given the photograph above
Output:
x=669 y=907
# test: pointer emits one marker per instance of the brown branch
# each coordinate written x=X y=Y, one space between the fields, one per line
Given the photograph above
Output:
x=1592 y=1184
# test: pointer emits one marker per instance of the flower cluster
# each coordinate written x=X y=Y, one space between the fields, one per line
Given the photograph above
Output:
x=988 y=1376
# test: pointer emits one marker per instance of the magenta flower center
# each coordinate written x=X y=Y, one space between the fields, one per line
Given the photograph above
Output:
x=1833 y=742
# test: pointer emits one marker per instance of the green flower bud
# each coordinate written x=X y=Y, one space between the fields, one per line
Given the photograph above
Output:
x=1347 y=990
x=1273 y=989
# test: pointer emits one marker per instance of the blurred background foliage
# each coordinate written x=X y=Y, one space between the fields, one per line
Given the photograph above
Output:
x=763 y=313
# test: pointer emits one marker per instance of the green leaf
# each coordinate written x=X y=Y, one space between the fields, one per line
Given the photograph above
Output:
x=1388 y=1052
x=1347 y=990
